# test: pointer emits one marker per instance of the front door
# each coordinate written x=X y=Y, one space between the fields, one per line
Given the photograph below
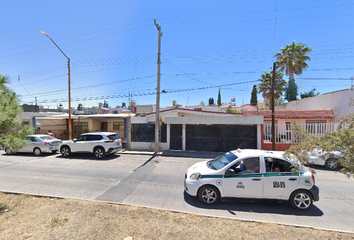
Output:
x=103 y=126
x=279 y=181
x=247 y=182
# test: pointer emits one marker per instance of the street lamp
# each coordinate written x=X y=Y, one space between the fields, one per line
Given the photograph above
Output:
x=70 y=130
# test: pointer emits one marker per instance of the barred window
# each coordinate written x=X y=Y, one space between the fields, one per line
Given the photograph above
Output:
x=118 y=126
x=80 y=126
x=316 y=126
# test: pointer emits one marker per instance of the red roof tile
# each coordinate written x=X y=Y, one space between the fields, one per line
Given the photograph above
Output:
x=292 y=114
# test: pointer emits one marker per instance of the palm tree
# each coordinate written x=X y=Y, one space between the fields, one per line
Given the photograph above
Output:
x=265 y=86
x=293 y=59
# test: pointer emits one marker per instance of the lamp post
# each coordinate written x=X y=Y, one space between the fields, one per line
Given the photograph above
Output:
x=69 y=125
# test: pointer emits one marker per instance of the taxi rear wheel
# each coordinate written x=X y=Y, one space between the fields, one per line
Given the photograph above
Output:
x=208 y=195
x=301 y=200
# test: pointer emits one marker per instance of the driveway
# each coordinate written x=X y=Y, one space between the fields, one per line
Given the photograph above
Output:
x=157 y=182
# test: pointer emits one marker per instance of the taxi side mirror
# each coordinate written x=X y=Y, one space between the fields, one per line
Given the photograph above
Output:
x=230 y=172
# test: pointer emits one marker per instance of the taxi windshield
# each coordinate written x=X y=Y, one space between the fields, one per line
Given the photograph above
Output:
x=221 y=161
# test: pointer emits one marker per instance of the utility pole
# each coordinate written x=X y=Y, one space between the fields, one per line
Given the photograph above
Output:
x=273 y=111
x=157 y=124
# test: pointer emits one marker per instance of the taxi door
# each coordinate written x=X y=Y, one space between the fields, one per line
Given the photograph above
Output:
x=246 y=182
x=279 y=181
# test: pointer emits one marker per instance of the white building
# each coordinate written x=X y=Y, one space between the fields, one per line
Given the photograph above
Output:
x=341 y=102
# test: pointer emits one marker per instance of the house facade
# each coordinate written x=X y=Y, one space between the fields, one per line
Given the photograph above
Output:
x=316 y=122
x=341 y=102
x=195 y=130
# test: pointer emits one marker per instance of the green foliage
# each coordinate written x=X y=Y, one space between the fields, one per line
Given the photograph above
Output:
x=265 y=86
x=309 y=94
x=291 y=91
x=12 y=131
x=254 y=99
x=279 y=101
x=105 y=104
x=230 y=110
x=219 y=98
x=293 y=59
x=341 y=140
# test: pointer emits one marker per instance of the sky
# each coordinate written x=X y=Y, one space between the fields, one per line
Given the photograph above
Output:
x=205 y=45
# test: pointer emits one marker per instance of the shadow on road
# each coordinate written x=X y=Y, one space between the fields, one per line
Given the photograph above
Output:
x=89 y=156
x=257 y=206
x=45 y=154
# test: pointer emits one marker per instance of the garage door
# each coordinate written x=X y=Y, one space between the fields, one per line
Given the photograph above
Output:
x=220 y=138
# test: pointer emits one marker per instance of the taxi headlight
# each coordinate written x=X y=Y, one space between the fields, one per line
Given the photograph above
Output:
x=195 y=176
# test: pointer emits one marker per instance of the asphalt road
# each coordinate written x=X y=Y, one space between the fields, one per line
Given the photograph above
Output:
x=157 y=182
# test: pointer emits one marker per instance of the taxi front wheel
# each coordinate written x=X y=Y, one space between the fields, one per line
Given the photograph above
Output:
x=208 y=195
x=301 y=200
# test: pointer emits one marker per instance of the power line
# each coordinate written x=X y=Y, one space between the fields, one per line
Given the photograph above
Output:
x=85 y=34
x=263 y=11
x=263 y=20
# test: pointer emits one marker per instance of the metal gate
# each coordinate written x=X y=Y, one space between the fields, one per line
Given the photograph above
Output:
x=176 y=136
x=220 y=138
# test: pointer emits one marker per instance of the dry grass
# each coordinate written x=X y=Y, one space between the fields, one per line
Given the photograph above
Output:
x=31 y=217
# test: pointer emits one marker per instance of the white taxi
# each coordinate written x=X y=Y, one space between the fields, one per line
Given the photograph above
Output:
x=255 y=174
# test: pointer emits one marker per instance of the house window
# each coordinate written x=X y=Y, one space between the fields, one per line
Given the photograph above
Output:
x=316 y=126
x=81 y=126
x=118 y=126
x=288 y=131
x=267 y=130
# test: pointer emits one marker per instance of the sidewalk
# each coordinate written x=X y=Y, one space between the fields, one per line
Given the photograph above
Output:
x=188 y=154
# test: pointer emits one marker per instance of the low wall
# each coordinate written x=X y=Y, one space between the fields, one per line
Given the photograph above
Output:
x=148 y=146
x=278 y=146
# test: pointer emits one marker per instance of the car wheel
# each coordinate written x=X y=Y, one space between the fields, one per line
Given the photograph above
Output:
x=65 y=151
x=301 y=200
x=331 y=164
x=37 y=151
x=208 y=195
x=99 y=152
x=8 y=151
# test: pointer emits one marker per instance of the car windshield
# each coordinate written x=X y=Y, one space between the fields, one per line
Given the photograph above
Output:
x=46 y=138
x=221 y=161
x=113 y=137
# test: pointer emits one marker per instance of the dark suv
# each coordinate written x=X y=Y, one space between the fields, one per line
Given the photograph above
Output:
x=98 y=143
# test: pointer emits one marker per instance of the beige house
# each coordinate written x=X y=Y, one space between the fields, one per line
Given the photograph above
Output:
x=58 y=124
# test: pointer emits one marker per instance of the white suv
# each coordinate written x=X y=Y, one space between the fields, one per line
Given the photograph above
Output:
x=98 y=143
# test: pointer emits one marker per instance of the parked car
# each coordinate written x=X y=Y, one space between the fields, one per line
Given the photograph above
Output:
x=322 y=158
x=253 y=174
x=98 y=143
x=38 y=144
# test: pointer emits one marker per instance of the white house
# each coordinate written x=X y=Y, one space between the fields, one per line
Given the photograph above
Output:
x=341 y=102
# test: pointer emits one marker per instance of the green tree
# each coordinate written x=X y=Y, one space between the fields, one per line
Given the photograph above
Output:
x=12 y=131
x=219 y=98
x=105 y=104
x=254 y=99
x=293 y=59
x=291 y=91
x=265 y=86
x=309 y=94
x=340 y=140
x=279 y=101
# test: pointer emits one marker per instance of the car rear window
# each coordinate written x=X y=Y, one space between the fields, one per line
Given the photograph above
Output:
x=46 y=138
x=113 y=137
